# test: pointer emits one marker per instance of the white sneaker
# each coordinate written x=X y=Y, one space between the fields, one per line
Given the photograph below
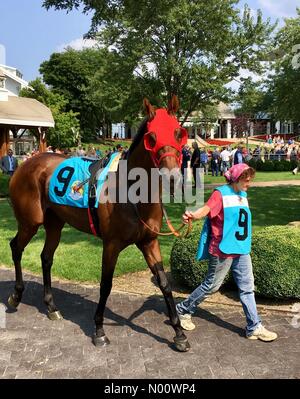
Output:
x=263 y=334
x=186 y=321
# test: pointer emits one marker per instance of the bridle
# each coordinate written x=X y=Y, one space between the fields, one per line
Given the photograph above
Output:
x=157 y=160
x=154 y=141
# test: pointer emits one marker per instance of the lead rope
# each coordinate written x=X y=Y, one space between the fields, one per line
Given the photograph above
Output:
x=175 y=232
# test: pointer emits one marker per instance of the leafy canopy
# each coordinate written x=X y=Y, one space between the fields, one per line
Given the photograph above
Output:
x=188 y=47
x=66 y=124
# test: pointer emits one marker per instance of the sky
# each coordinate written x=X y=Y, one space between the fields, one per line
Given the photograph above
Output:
x=29 y=34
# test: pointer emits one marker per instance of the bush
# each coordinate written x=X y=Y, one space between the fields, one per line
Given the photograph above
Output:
x=259 y=165
x=185 y=269
x=287 y=165
x=267 y=166
x=275 y=258
x=278 y=166
x=252 y=163
x=294 y=164
x=4 y=181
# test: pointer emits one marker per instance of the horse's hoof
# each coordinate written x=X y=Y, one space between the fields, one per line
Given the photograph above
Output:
x=13 y=302
x=182 y=344
x=100 y=341
x=55 y=315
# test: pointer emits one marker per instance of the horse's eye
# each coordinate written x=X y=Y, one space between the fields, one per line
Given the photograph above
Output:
x=180 y=134
x=150 y=140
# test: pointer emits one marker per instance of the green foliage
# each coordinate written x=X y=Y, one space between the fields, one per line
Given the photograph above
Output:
x=275 y=258
x=66 y=123
x=252 y=99
x=4 y=182
x=278 y=166
x=257 y=165
x=267 y=166
x=270 y=166
x=174 y=47
x=284 y=84
x=184 y=267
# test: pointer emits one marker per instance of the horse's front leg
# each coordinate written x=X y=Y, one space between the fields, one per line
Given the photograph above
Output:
x=110 y=255
x=152 y=254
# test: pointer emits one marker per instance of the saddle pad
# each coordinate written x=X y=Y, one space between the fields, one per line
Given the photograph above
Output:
x=70 y=173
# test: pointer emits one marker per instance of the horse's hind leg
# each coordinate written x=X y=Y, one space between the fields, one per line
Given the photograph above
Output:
x=151 y=252
x=109 y=259
x=53 y=227
x=18 y=245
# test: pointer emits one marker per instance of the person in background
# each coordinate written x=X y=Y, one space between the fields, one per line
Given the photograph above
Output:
x=225 y=160
x=204 y=160
x=195 y=161
x=9 y=163
x=215 y=158
x=238 y=156
x=186 y=157
x=227 y=245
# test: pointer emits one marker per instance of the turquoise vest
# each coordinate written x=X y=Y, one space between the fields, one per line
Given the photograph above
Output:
x=237 y=230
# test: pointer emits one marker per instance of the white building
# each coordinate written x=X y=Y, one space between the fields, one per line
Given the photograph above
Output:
x=18 y=114
x=14 y=81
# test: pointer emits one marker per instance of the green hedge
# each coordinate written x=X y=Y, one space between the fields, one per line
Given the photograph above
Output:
x=185 y=269
x=272 y=166
x=275 y=257
x=276 y=262
x=4 y=180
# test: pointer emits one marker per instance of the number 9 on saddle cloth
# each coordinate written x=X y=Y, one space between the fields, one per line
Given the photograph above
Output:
x=78 y=181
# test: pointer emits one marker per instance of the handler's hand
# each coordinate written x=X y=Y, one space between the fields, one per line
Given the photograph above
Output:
x=187 y=216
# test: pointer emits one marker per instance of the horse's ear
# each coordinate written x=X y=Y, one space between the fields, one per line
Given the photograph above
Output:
x=173 y=105
x=149 y=109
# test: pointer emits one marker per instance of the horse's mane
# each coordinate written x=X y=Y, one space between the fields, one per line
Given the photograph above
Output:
x=138 y=137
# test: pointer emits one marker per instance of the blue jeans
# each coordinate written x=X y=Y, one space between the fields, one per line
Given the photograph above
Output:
x=217 y=269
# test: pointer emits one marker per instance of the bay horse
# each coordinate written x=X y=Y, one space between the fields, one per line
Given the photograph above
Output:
x=28 y=189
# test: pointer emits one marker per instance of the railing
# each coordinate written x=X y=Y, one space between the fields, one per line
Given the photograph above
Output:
x=273 y=157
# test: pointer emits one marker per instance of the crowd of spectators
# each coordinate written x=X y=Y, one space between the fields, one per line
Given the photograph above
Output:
x=80 y=151
x=220 y=159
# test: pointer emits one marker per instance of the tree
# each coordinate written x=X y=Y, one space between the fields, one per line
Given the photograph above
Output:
x=191 y=48
x=99 y=84
x=69 y=74
x=284 y=83
x=66 y=123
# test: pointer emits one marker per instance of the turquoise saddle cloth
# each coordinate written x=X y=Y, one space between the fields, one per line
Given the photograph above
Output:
x=65 y=184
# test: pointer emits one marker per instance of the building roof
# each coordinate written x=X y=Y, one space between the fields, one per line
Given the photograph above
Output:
x=14 y=74
x=25 y=112
x=224 y=111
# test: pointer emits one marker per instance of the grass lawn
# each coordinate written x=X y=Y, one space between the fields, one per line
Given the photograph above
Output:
x=78 y=257
x=259 y=176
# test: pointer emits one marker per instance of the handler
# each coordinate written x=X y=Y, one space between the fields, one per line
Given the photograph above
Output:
x=226 y=241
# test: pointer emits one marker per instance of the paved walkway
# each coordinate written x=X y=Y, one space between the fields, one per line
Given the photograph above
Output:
x=31 y=346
